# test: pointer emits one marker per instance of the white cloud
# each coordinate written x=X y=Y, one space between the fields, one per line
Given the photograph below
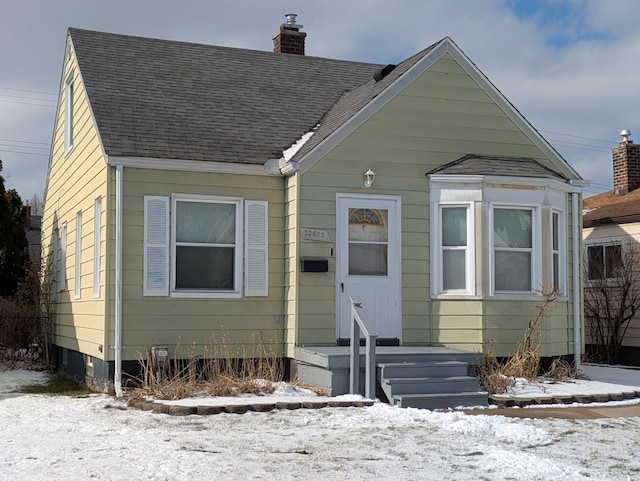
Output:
x=587 y=89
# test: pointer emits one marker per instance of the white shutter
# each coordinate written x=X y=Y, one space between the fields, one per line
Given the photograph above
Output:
x=156 y=246
x=256 y=248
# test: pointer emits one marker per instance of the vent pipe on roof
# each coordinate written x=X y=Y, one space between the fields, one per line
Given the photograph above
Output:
x=289 y=39
x=625 y=134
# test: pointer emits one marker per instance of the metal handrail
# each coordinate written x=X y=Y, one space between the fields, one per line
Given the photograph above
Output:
x=359 y=322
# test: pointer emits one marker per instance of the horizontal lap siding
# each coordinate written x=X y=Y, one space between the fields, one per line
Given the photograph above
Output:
x=75 y=180
x=195 y=322
x=442 y=116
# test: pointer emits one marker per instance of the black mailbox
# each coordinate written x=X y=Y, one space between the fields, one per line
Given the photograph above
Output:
x=315 y=264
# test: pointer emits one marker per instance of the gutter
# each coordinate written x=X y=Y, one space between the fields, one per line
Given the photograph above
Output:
x=577 y=333
x=117 y=378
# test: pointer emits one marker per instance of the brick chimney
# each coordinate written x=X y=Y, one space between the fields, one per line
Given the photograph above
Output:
x=289 y=39
x=626 y=165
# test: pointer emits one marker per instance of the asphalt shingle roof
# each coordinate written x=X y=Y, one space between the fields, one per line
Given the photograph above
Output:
x=609 y=208
x=497 y=165
x=177 y=100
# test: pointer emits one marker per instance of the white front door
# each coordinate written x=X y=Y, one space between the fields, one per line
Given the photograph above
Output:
x=368 y=262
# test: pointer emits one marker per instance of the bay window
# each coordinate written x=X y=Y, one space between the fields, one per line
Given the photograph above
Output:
x=495 y=239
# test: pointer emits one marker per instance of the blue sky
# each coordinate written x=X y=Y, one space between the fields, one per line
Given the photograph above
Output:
x=571 y=67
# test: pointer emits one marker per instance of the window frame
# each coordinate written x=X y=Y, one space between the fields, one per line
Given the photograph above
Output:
x=77 y=274
x=602 y=243
x=63 y=257
x=561 y=288
x=68 y=114
x=470 y=248
x=236 y=291
x=97 y=247
x=535 y=249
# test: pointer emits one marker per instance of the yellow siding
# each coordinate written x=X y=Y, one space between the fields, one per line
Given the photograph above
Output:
x=632 y=336
x=75 y=180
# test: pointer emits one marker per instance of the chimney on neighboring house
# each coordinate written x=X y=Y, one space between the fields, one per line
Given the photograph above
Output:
x=626 y=165
x=27 y=217
x=289 y=39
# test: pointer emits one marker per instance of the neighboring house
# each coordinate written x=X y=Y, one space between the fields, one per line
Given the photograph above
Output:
x=611 y=221
x=197 y=190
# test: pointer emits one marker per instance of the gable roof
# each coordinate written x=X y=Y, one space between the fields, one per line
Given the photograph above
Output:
x=608 y=208
x=497 y=165
x=167 y=100
x=176 y=100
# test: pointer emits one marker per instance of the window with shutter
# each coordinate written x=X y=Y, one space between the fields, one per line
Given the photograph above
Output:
x=156 y=246
x=256 y=248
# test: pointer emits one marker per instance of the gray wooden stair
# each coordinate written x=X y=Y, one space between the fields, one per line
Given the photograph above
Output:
x=430 y=385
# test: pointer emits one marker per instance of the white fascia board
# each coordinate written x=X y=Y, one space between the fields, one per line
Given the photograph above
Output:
x=351 y=125
x=509 y=109
x=506 y=180
x=269 y=168
x=445 y=46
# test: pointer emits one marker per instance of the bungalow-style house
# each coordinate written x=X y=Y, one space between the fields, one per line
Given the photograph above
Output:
x=197 y=190
x=611 y=232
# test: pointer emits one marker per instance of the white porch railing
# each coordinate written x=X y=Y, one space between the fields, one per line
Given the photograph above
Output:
x=359 y=322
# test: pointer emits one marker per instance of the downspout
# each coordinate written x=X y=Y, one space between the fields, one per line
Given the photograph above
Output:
x=577 y=333
x=117 y=378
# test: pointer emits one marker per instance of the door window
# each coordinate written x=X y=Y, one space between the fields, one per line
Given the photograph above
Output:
x=368 y=242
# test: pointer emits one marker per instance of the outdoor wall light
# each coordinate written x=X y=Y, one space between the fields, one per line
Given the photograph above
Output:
x=369 y=177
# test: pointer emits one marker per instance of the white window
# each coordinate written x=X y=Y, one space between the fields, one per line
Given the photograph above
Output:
x=558 y=252
x=68 y=114
x=97 y=222
x=63 y=257
x=78 y=257
x=490 y=240
x=455 y=239
x=513 y=255
x=604 y=260
x=207 y=251
x=54 y=265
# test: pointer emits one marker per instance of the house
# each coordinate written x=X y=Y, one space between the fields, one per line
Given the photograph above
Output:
x=611 y=231
x=196 y=190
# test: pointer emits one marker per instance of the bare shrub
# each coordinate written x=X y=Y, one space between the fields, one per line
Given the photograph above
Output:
x=222 y=370
x=26 y=319
x=496 y=376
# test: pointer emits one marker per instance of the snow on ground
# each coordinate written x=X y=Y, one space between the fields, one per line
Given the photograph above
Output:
x=96 y=437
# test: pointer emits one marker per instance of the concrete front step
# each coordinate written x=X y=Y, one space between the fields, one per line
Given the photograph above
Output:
x=428 y=385
x=422 y=369
x=441 y=400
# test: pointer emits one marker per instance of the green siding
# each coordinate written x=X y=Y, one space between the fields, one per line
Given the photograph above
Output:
x=196 y=322
x=440 y=117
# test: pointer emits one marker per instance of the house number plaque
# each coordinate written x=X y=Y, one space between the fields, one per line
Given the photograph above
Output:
x=315 y=235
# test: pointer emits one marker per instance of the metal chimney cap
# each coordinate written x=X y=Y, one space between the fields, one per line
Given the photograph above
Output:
x=290 y=20
x=625 y=134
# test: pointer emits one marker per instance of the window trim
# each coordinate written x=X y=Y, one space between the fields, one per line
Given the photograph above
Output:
x=438 y=251
x=68 y=114
x=562 y=251
x=77 y=275
x=97 y=239
x=536 y=248
x=236 y=292
x=63 y=257
x=602 y=242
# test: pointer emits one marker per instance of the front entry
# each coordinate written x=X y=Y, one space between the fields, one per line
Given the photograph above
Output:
x=368 y=262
